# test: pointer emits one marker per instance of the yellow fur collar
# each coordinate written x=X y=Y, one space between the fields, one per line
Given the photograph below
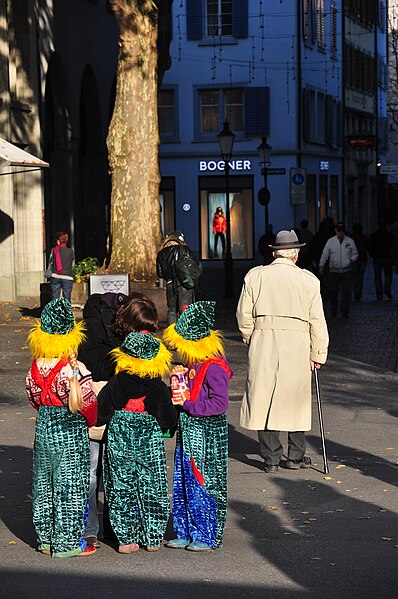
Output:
x=44 y=345
x=194 y=352
x=158 y=366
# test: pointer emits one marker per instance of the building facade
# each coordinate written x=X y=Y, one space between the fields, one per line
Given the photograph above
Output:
x=365 y=110
x=58 y=73
x=273 y=71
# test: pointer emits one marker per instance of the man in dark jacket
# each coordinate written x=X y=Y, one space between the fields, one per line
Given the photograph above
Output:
x=172 y=249
x=380 y=249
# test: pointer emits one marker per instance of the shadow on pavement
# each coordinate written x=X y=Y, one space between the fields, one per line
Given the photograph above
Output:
x=16 y=505
x=362 y=461
x=336 y=535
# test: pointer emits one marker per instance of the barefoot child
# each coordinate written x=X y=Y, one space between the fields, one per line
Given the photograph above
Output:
x=60 y=388
x=137 y=405
x=201 y=457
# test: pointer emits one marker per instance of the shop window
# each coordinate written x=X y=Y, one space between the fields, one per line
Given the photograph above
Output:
x=212 y=199
x=311 y=202
x=334 y=198
x=323 y=196
x=167 y=114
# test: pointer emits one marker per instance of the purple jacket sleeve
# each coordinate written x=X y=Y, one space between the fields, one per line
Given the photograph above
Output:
x=213 y=397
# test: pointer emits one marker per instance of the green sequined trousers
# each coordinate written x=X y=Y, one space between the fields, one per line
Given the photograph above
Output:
x=135 y=479
x=61 y=468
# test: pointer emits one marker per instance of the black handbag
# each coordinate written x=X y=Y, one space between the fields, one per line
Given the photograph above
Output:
x=49 y=270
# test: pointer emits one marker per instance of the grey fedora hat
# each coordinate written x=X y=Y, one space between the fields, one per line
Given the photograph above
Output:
x=286 y=240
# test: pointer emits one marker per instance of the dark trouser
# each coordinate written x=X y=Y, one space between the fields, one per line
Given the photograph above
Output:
x=335 y=281
x=216 y=237
x=380 y=264
x=176 y=299
x=358 y=272
x=271 y=448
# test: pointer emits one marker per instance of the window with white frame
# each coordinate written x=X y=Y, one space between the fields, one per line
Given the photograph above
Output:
x=216 y=105
x=218 y=17
x=322 y=118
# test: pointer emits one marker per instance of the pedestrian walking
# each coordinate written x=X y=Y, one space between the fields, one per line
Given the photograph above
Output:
x=280 y=316
x=199 y=503
x=381 y=251
x=264 y=244
x=305 y=236
x=177 y=266
x=60 y=389
x=99 y=317
x=60 y=267
x=340 y=254
x=359 y=267
x=137 y=407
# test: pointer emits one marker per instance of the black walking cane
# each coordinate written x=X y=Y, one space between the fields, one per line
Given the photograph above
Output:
x=318 y=398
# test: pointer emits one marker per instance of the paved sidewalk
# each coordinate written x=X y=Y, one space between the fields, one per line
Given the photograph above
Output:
x=295 y=535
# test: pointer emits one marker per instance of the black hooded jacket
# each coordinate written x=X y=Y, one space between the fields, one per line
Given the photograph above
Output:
x=123 y=387
x=99 y=315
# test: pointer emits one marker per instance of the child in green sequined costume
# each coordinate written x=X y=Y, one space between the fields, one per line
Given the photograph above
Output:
x=137 y=405
x=201 y=456
x=60 y=388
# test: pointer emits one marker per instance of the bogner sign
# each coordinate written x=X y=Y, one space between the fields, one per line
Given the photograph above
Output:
x=219 y=165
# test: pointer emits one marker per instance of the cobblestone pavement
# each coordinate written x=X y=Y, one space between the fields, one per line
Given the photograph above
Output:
x=297 y=535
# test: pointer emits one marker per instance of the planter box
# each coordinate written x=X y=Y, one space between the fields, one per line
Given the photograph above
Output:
x=80 y=294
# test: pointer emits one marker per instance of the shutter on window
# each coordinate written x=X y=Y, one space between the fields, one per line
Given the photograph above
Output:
x=257 y=111
x=240 y=18
x=194 y=19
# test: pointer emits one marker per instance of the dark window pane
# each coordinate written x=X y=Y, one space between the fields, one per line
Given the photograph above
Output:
x=166 y=113
x=209 y=110
x=233 y=99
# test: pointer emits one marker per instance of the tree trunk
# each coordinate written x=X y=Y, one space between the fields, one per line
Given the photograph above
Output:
x=133 y=141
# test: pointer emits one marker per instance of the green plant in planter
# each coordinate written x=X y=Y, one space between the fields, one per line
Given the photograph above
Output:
x=83 y=269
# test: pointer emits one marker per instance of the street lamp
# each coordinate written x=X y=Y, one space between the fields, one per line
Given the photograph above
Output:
x=226 y=142
x=264 y=151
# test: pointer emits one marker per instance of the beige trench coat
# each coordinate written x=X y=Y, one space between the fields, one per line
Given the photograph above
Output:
x=280 y=315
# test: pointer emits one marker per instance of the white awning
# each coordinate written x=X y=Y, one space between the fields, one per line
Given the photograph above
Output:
x=11 y=155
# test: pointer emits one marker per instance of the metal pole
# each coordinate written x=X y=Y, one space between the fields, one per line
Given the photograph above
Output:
x=229 y=267
x=318 y=397
x=265 y=174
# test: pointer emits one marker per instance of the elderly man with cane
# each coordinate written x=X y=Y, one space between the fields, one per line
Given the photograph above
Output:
x=280 y=315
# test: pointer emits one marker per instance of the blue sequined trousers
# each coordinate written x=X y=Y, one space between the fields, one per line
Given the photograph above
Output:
x=135 y=479
x=200 y=479
x=61 y=467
